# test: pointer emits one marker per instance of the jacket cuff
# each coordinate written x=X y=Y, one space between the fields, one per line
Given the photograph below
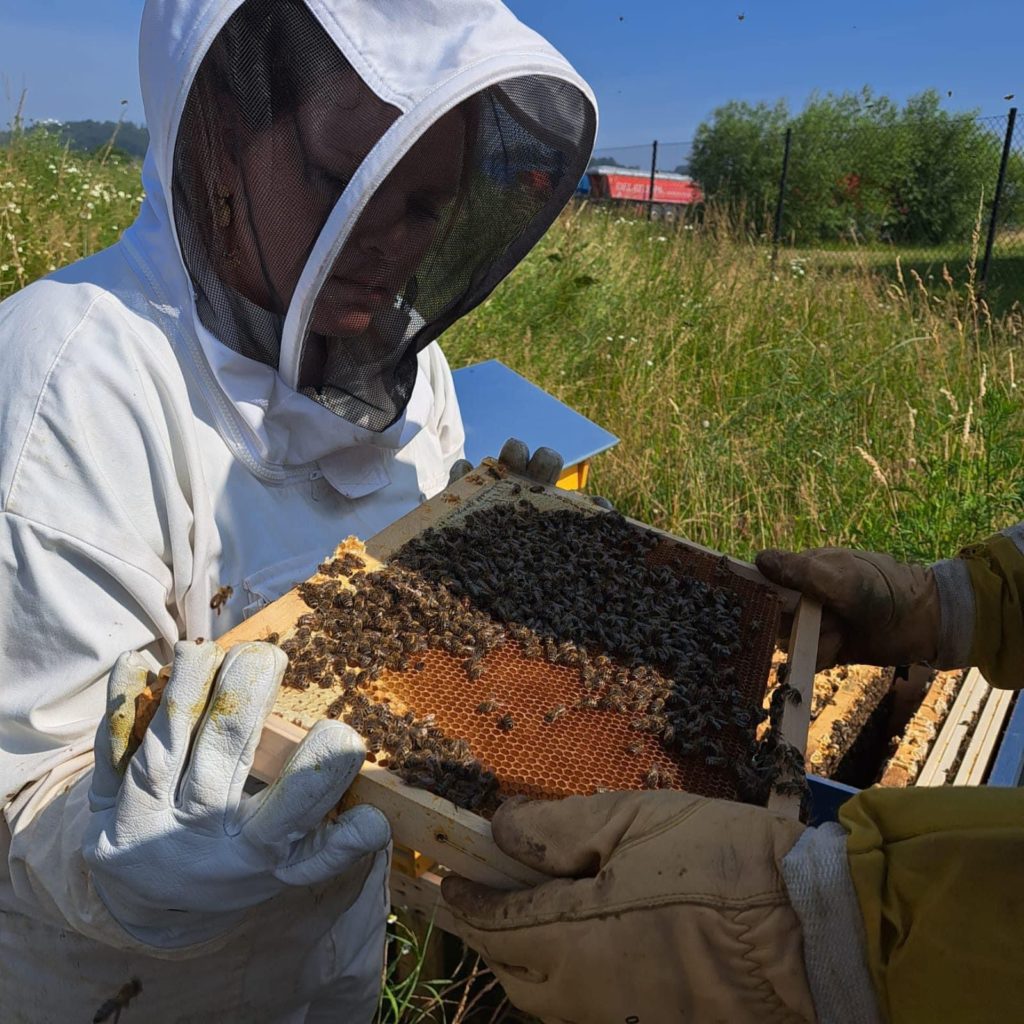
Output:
x=956 y=613
x=817 y=878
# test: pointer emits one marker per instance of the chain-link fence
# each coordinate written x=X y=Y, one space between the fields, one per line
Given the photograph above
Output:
x=933 y=193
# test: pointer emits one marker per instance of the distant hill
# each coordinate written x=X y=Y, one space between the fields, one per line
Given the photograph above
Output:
x=92 y=135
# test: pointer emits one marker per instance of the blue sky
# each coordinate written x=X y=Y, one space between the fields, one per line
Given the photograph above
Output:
x=658 y=66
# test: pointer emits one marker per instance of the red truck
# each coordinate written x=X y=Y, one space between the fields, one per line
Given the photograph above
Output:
x=672 y=192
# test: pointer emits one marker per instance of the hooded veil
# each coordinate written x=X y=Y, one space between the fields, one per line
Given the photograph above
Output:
x=341 y=197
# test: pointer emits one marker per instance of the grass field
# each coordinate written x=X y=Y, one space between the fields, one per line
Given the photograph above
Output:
x=760 y=405
x=799 y=403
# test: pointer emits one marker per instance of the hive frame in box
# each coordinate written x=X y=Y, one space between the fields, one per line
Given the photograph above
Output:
x=440 y=832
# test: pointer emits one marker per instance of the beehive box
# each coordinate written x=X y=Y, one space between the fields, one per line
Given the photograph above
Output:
x=564 y=737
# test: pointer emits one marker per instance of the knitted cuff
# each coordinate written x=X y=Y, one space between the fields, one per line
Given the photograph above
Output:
x=817 y=878
x=956 y=613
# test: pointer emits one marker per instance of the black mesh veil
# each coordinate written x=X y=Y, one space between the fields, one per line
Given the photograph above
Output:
x=276 y=124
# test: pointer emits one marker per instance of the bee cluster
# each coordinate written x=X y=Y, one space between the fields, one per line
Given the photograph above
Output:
x=363 y=623
x=572 y=589
x=581 y=591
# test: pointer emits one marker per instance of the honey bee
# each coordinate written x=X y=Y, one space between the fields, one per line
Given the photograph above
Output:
x=652 y=780
x=221 y=598
x=487 y=706
x=112 y=1007
x=506 y=723
x=555 y=713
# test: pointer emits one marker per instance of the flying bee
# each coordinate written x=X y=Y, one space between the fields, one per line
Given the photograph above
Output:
x=112 y=1007
x=555 y=713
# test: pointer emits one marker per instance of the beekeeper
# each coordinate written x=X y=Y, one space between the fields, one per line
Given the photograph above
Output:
x=190 y=421
x=671 y=907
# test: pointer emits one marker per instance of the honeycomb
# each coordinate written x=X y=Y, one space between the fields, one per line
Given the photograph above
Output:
x=501 y=720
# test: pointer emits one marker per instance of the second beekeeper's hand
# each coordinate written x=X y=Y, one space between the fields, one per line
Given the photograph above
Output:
x=176 y=850
x=662 y=907
x=875 y=610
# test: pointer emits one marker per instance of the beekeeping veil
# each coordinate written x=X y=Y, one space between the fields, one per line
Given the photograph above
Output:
x=350 y=177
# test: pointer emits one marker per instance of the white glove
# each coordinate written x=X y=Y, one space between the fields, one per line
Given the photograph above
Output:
x=176 y=850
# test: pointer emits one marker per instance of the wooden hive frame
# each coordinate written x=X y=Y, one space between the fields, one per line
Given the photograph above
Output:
x=428 y=830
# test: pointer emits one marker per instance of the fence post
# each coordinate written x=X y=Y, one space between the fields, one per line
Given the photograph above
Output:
x=780 y=205
x=1007 y=143
x=650 y=190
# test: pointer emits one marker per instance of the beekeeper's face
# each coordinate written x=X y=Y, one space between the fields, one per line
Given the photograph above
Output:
x=276 y=127
x=292 y=175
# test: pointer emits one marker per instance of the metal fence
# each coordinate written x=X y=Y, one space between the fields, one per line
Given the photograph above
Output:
x=865 y=219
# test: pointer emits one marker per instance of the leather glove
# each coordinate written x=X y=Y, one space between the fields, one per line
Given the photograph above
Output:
x=545 y=466
x=662 y=906
x=875 y=610
x=176 y=850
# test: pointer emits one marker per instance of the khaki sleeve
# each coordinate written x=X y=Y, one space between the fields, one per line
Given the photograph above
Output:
x=996 y=569
x=939 y=876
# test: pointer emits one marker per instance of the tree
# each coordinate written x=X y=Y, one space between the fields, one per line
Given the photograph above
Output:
x=736 y=157
x=860 y=168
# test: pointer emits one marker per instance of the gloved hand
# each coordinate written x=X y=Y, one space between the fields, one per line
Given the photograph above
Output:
x=875 y=610
x=663 y=906
x=544 y=466
x=176 y=850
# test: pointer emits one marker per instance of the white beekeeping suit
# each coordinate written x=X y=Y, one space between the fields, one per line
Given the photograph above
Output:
x=249 y=376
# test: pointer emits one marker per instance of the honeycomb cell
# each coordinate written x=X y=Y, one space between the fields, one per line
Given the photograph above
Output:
x=524 y=649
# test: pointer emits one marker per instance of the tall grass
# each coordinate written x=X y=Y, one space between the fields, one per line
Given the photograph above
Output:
x=57 y=206
x=762 y=404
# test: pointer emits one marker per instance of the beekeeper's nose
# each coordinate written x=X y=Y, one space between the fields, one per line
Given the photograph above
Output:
x=381 y=232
